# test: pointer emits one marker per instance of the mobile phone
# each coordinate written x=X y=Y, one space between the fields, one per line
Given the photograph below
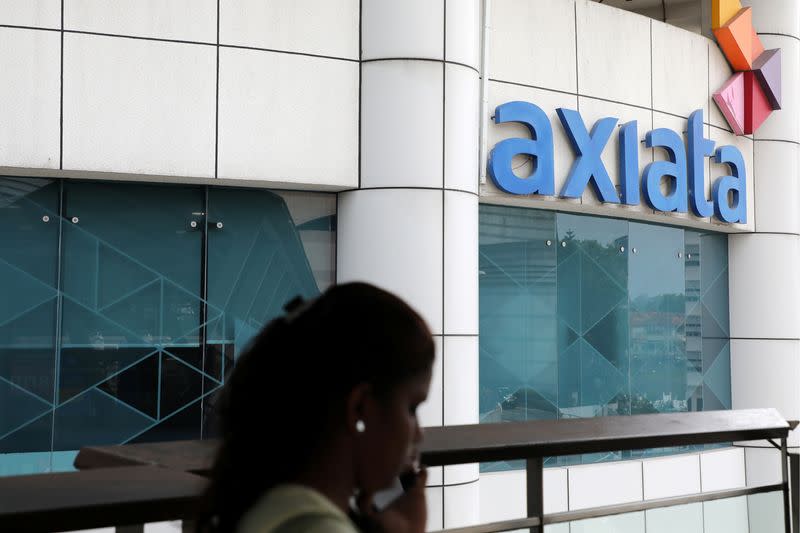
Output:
x=382 y=499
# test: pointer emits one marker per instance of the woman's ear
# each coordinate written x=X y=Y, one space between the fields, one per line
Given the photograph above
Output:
x=358 y=408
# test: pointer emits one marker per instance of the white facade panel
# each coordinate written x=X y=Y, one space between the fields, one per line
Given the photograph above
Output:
x=726 y=516
x=187 y=20
x=682 y=518
x=461 y=125
x=317 y=27
x=459 y=474
x=460 y=264
x=462 y=35
x=680 y=70
x=533 y=43
x=288 y=118
x=386 y=27
x=435 y=499
x=762 y=466
x=765 y=373
x=621 y=482
x=462 y=505
x=401 y=115
x=460 y=380
x=34 y=13
x=503 y=495
x=430 y=412
x=624 y=523
x=783 y=124
x=399 y=250
x=775 y=16
x=763 y=275
x=556 y=493
x=30 y=92
x=776 y=194
x=665 y=477
x=721 y=470
x=613 y=54
x=140 y=107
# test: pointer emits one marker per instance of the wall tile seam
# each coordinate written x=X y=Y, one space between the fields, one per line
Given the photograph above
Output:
x=783 y=339
x=423 y=59
x=196 y=43
x=778 y=34
x=410 y=188
x=785 y=141
x=22 y=27
x=459 y=484
x=618 y=102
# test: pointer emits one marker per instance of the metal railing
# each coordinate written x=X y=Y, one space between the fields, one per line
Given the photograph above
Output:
x=126 y=486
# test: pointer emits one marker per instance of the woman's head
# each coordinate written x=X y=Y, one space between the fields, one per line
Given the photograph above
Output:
x=346 y=369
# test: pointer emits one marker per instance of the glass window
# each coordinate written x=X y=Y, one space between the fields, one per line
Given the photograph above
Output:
x=585 y=316
x=130 y=302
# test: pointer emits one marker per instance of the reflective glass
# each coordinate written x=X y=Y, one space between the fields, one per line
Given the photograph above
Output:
x=29 y=288
x=765 y=512
x=624 y=523
x=611 y=318
x=682 y=518
x=726 y=516
x=160 y=287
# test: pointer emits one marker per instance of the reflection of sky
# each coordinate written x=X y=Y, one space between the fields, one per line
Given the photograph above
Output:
x=655 y=268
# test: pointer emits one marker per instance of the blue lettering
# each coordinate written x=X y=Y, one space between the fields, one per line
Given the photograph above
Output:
x=675 y=168
x=588 y=166
x=735 y=185
x=698 y=147
x=539 y=147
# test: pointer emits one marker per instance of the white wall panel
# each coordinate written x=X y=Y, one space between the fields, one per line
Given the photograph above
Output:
x=36 y=13
x=624 y=523
x=401 y=124
x=430 y=411
x=621 y=482
x=460 y=380
x=533 y=43
x=462 y=505
x=503 y=496
x=188 y=20
x=289 y=118
x=775 y=169
x=387 y=24
x=775 y=16
x=457 y=474
x=784 y=124
x=683 y=519
x=665 y=477
x=310 y=26
x=593 y=110
x=548 y=101
x=680 y=70
x=462 y=105
x=765 y=373
x=137 y=106
x=726 y=516
x=460 y=263
x=722 y=469
x=400 y=248
x=435 y=501
x=556 y=495
x=762 y=466
x=764 y=286
x=463 y=27
x=30 y=92
x=613 y=54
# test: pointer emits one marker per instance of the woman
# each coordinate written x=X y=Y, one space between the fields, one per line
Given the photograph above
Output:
x=321 y=412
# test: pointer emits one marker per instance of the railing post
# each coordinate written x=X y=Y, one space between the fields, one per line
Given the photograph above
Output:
x=534 y=473
x=787 y=513
x=794 y=486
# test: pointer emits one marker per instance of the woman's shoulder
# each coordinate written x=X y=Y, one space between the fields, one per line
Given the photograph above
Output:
x=295 y=509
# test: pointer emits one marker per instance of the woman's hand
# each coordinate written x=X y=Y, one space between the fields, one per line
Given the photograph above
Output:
x=408 y=513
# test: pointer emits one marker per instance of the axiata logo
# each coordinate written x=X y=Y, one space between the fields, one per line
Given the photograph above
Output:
x=683 y=170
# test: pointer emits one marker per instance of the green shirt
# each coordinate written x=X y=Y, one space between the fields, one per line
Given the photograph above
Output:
x=295 y=509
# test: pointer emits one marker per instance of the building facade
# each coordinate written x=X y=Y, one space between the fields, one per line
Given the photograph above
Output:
x=171 y=172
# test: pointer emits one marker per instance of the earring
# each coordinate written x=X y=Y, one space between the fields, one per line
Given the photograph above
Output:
x=360 y=426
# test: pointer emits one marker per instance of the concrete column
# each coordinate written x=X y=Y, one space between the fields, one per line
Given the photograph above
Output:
x=764 y=266
x=411 y=226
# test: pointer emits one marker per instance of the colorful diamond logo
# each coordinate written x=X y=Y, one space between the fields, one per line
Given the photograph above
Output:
x=754 y=91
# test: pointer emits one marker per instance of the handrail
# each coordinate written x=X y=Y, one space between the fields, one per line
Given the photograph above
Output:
x=531 y=441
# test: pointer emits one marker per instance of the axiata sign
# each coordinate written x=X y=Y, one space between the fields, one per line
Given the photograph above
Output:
x=683 y=171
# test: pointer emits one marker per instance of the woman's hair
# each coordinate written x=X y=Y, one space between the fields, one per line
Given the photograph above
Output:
x=287 y=393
